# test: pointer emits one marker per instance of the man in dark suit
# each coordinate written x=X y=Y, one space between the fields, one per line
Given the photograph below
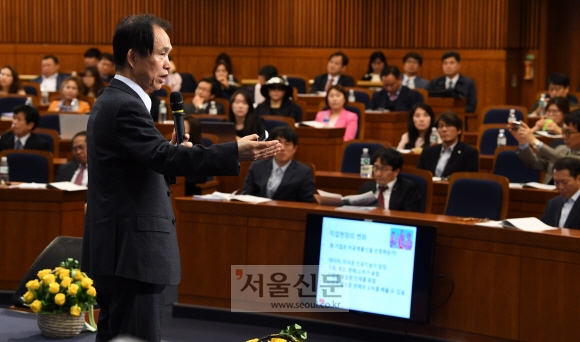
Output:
x=336 y=66
x=281 y=178
x=564 y=211
x=76 y=170
x=452 y=80
x=130 y=244
x=21 y=136
x=204 y=93
x=452 y=155
x=393 y=192
x=51 y=79
x=394 y=96
x=412 y=62
x=106 y=67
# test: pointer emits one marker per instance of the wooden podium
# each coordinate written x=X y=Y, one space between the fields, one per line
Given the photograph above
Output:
x=389 y=126
x=322 y=147
x=312 y=104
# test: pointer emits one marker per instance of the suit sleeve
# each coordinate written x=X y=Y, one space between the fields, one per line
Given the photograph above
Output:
x=531 y=160
x=376 y=101
x=351 y=127
x=472 y=161
x=348 y=81
x=423 y=160
x=548 y=217
x=413 y=199
x=306 y=192
x=315 y=86
x=417 y=97
x=249 y=183
x=471 y=98
x=60 y=174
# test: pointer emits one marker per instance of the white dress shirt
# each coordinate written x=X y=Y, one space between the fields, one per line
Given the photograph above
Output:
x=443 y=159
x=142 y=94
x=387 y=193
x=453 y=81
x=49 y=83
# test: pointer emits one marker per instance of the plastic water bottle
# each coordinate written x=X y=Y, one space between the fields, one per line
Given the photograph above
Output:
x=351 y=97
x=29 y=102
x=365 y=164
x=212 y=108
x=74 y=105
x=285 y=78
x=44 y=97
x=542 y=105
x=501 y=139
x=326 y=119
x=162 y=111
x=512 y=116
x=231 y=79
x=4 y=180
x=433 y=137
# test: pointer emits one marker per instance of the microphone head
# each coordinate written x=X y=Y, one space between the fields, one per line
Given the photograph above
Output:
x=176 y=101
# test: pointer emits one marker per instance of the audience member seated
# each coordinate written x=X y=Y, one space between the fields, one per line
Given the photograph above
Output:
x=394 y=97
x=10 y=81
x=21 y=136
x=452 y=80
x=204 y=93
x=564 y=211
x=225 y=58
x=92 y=57
x=420 y=123
x=264 y=74
x=174 y=78
x=193 y=128
x=71 y=88
x=277 y=94
x=452 y=155
x=558 y=85
x=223 y=77
x=51 y=79
x=337 y=116
x=556 y=111
x=242 y=114
x=377 y=63
x=336 y=66
x=76 y=170
x=392 y=192
x=537 y=155
x=411 y=64
x=93 y=86
x=107 y=67
x=281 y=177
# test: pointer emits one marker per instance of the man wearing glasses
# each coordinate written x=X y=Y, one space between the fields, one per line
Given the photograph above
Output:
x=537 y=155
x=392 y=192
x=75 y=171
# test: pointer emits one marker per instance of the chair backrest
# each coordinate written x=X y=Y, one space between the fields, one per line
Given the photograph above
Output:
x=29 y=166
x=423 y=179
x=225 y=103
x=480 y=195
x=31 y=88
x=357 y=108
x=188 y=83
x=362 y=95
x=50 y=121
x=498 y=114
x=51 y=136
x=273 y=121
x=298 y=82
x=163 y=94
x=208 y=139
x=210 y=117
x=507 y=163
x=7 y=103
x=353 y=151
x=487 y=138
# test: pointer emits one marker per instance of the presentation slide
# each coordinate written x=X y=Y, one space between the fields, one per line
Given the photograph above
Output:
x=375 y=262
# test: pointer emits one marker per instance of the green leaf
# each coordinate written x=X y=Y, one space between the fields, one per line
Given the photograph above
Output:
x=294 y=331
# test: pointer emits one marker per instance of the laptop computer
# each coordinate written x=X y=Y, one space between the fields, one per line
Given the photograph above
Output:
x=225 y=131
x=71 y=124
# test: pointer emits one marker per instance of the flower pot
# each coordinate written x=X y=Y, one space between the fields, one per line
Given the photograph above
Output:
x=60 y=325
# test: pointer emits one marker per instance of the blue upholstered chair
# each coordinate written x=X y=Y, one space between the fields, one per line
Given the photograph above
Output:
x=353 y=151
x=480 y=195
x=499 y=114
x=50 y=121
x=362 y=95
x=507 y=163
x=273 y=121
x=29 y=166
x=487 y=138
x=7 y=103
x=424 y=179
x=51 y=136
x=298 y=82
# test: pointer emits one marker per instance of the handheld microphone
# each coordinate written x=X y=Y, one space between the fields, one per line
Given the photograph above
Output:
x=176 y=103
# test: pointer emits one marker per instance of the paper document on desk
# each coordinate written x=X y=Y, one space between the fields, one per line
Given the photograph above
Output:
x=28 y=186
x=314 y=124
x=548 y=135
x=528 y=224
x=537 y=185
x=66 y=186
x=328 y=198
x=221 y=196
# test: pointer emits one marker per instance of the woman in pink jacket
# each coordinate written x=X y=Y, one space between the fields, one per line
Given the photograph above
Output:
x=337 y=116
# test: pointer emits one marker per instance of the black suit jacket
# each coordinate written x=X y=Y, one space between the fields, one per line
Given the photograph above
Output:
x=65 y=172
x=464 y=86
x=405 y=101
x=321 y=80
x=59 y=79
x=297 y=183
x=553 y=210
x=464 y=158
x=34 y=142
x=129 y=225
x=405 y=195
x=288 y=108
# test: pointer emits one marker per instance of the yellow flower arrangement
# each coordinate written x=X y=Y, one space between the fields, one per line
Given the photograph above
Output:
x=293 y=333
x=64 y=289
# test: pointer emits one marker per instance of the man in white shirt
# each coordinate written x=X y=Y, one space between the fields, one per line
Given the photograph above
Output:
x=564 y=211
x=50 y=80
x=411 y=64
x=76 y=171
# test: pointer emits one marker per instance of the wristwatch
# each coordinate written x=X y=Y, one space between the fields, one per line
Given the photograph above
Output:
x=536 y=144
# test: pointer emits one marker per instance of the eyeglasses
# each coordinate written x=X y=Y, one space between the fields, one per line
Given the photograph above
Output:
x=567 y=133
x=382 y=168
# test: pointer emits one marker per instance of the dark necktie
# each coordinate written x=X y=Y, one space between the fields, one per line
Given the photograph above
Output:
x=393 y=97
x=80 y=176
x=329 y=84
x=381 y=198
x=18 y=145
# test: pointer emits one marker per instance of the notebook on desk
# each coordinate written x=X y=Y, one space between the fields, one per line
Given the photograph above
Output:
x=225 y=131
x=71 y=124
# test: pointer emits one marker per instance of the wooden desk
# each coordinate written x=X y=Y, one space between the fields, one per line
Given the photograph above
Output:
x=386 y=126
x=522 y=202
x=508 y=284
x=30 y=220
x=321 y=147
x=312 y=104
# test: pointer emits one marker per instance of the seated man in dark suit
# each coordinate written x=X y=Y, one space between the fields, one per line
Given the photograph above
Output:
x=336 y=66
x=21 y=136
x=564 y=211
x=76 y=171
x=411 y=64
x=393 y=192
x=50 y=79
x=394 y=96
x=204 y=94
x=281 y=178
x=452 y=80
x=452 y=155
